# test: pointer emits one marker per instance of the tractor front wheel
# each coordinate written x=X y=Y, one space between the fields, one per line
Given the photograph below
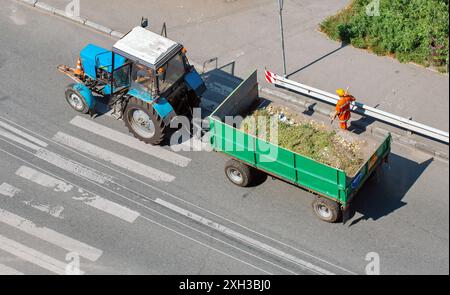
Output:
x=76 y=100
x=144 y=122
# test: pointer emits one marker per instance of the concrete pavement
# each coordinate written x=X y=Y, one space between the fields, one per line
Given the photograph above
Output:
x=392 y=217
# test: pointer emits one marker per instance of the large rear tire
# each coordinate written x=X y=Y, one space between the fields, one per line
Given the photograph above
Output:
x=143 y=122
x=327 y=210
x=76 y=100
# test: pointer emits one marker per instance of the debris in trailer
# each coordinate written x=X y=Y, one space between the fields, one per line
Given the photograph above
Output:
x=307 y=138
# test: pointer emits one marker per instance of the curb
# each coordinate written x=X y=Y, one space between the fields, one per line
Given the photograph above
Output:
x=52 y=10
x=308 y=105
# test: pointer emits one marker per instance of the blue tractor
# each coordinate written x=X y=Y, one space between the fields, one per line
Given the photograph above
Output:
x=146 y=80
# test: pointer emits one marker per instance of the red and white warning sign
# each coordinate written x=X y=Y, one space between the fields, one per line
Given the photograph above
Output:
x=270 y=77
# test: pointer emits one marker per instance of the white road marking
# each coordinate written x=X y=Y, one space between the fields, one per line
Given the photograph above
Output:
x=107 y=206
x=23 y=134
x=55 y=211
x=131 y=142
x=19 y=140
x=43 y=179
x=72 y=167
x=50 y=236
x=255 y=243
x=8 y=190
x=87 y=198
x=8 y=271
x=33 y=256
x=113 y=158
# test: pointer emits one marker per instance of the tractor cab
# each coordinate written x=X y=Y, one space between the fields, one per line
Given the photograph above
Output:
x=158 y=66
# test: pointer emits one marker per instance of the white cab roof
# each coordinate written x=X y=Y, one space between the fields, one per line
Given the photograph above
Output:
x=144 y=45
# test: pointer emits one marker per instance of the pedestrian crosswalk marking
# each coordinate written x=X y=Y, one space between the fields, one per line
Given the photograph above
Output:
x=19 y=140
x=35 y=257
x=23 y=134
x=8 y=271
x=87 y=198
x=119 y=137
x=113 y=158
x=43 y=179
x=8 y=190
x=50 y=236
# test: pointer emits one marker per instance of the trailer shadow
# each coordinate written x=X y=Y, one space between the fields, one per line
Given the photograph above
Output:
x=384 y=195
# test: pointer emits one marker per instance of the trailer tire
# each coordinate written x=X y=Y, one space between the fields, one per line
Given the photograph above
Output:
x=76 y=100
x=327 y=210
x=238 y=173
x=155 y=130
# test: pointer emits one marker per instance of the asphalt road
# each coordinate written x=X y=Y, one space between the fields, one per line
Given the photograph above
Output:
x=175 y=213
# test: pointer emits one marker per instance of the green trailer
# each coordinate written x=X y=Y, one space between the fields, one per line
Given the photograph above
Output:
x=250 y=155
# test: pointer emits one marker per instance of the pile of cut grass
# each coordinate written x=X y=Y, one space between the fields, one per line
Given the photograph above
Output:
x=308 y=139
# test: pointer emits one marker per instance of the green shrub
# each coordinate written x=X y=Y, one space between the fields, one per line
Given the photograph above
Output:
x=411 y=30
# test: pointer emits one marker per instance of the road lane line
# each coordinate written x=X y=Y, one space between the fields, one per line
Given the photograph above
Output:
x=131 y=142
x=23 y=134
x=8 y=271
x=113 y=158
x=50 y=236
x=92 y=200
x=33 y=256
x=255 y=243
x=43 y=179
x=19 y=140
x=8 y=190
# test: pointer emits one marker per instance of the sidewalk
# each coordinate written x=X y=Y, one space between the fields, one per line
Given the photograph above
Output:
x=247 y=32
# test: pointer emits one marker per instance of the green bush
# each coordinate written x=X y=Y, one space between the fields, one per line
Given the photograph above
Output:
x=411 y=30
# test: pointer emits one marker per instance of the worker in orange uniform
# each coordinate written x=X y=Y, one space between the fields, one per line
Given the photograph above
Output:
x=343 y=108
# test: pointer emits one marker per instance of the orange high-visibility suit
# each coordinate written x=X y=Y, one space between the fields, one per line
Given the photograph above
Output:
x=343 y=110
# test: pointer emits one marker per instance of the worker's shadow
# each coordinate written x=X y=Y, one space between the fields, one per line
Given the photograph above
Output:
x=383 y=195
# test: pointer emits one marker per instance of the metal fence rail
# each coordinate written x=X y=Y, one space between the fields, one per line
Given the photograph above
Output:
x=359 y=108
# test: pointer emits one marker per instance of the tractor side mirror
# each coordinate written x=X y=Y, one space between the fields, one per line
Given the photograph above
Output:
x=144 y=22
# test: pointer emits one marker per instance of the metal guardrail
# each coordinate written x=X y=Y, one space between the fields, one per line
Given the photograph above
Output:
x=359 y=108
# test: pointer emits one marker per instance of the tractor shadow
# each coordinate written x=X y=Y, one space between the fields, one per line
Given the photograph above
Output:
x=219 y=85
x=383 y=195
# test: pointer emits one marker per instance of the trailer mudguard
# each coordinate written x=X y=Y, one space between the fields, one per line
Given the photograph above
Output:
x=161 y=105
x=195 y=82
x=86 y=93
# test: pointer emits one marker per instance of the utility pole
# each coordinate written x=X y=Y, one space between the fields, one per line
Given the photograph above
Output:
x=280 y=2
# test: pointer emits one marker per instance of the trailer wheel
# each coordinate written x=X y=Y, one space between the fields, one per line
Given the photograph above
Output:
x=238 y=173
x=76 y=100
x=327 y=210
x=144 y=122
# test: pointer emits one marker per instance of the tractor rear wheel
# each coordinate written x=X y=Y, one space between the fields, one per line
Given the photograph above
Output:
x=143 y=122
x=76 y=100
